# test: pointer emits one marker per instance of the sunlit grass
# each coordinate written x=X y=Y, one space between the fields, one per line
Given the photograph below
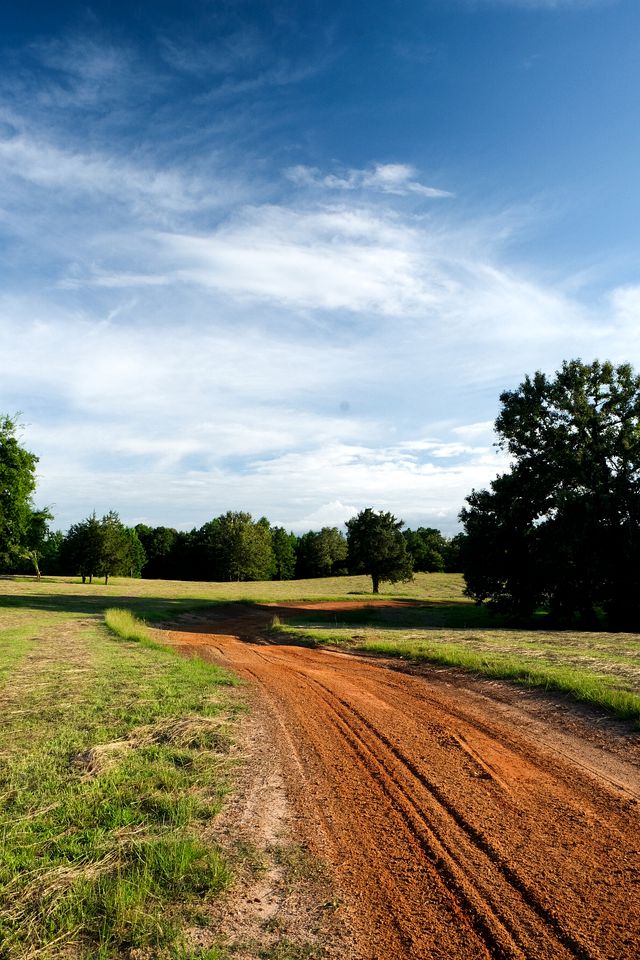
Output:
x=113 y=760
x=126 y=626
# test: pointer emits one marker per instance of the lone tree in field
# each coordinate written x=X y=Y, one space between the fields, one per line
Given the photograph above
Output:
x=561 y=529
x=376 y=547
x=36 y=538
x=82 y=547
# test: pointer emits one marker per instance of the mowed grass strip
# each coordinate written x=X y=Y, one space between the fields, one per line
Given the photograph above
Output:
x=602 y=669
x=113 y=763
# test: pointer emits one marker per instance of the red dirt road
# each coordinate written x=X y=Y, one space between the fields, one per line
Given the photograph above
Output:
x=461 y=820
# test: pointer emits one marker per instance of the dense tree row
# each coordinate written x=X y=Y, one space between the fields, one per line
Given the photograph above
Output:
x=101 y=548
x=234 y=546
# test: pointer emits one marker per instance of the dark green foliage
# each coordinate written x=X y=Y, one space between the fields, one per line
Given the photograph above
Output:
x=18 y=528
x=102 y=547
x=376 y=547
x=81 y=548
x=135 y=557
x=114 y=546
x=35 y=537
x=432 y=552
x=562 y=528
x=427 y=547
x=50 y=555
x=321 y=553
x=158 y=544
x=243 y=547
x=452 y=553
x=284 y=553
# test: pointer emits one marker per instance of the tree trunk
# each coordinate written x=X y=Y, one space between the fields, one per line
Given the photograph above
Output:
x=33 y=556
x=106 y=579
x=376 y=582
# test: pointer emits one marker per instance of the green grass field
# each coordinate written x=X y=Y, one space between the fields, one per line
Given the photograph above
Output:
x=157 y=599
x=113 y=762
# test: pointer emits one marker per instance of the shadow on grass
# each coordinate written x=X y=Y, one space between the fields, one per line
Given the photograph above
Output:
x=397 y=613
x=426 y=615
x=146 y=608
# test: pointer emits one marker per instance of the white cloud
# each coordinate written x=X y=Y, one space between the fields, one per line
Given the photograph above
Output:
x=42 y=164
x=393 y=178
x=625 y=309
x=224 y=380
x=324 y=259
x=540 y=4
x=184 y=353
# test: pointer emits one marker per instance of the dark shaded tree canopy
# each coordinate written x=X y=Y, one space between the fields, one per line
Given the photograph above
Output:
x=321 y=553
x=561 y=529
x=102 y=547
x=243 y=547
x=284 y=553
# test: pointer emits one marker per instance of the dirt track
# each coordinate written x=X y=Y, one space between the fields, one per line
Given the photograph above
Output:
x=462 y=819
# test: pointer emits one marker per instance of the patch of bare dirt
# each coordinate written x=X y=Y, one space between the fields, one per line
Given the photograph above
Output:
x=462 y=818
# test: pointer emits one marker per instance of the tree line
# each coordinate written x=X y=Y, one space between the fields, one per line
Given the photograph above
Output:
x=234 y=546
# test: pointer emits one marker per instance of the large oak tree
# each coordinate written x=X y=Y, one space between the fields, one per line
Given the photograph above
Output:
x=561 y=529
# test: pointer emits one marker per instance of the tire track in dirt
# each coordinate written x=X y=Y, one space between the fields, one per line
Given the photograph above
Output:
x=294 y=759
x=535 y=757
x=454 y=834
x=455 y=847
x=447 y=846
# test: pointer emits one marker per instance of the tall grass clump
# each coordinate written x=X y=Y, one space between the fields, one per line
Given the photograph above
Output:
x=126 y=626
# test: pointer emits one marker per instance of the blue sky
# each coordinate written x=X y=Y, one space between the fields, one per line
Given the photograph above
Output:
x=284 y=257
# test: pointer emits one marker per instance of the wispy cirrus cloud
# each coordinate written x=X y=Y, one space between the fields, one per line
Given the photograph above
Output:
x=394 y=178
x=100 y=177
x=539 y=4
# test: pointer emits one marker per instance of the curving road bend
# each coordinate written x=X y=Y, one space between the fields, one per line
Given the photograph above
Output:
x=459 y=824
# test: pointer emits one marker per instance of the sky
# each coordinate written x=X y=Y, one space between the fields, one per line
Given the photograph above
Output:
x=284 y=257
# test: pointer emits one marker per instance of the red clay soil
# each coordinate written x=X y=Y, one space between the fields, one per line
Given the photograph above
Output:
x=461 y=817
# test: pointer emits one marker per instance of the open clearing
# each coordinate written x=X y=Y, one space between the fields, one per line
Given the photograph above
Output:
x=383 y=807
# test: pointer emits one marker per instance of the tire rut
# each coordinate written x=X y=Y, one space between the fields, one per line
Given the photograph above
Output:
x=452 y=859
